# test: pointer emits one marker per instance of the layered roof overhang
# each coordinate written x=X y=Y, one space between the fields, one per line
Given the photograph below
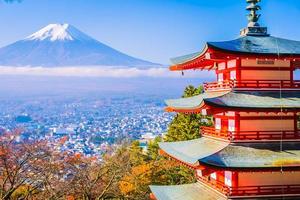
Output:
x=220 y=154
x=188 y=152
x=238 y=100
x=247 y=46
x=186 y=192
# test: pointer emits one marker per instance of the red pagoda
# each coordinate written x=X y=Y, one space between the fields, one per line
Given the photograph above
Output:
x=253 y=149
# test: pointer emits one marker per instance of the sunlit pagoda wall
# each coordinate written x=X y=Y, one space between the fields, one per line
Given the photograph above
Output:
x=245 y=69
x=256 y=121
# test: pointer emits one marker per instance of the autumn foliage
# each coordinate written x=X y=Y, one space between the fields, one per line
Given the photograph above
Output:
x=34 y=170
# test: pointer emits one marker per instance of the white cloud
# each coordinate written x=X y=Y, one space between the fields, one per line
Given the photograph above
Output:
x=91 y=71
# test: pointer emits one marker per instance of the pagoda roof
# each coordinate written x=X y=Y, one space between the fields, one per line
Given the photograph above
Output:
x=185 y=151
x=258 y=45
x=241 y=155
x=238 y=99
x=186 y=192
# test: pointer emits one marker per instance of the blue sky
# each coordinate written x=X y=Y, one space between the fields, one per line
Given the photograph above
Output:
x=154 y=30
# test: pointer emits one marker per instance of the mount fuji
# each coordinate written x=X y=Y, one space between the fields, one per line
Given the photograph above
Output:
x=64 y=45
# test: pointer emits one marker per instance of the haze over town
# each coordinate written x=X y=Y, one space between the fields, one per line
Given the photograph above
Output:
x=106 y=75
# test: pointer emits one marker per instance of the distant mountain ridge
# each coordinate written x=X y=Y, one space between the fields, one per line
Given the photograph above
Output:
x=65 y=45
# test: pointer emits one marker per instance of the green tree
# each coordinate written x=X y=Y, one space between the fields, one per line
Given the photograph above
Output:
x=184 y=127
x=137 y=157
x=153 y=148
x=191 y=91
x=187 y=126
x=166 y=171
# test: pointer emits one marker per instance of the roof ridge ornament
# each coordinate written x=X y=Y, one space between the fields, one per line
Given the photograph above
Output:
x=253 y=28
x=253 y=17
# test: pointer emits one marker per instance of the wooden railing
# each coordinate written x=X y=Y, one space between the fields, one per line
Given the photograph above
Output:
x=220 y=85
x=257 y=84
x=218 y=185
x=251 y=135
x=259 y=190
x=267 y=84
x=265 y=190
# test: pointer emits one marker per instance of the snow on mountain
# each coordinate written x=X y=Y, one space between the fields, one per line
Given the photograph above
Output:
x=65 y=45
x=61 y=32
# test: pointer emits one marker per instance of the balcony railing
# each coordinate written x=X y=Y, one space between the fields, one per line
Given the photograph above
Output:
x=253 y=191
x=220 y=85
x=256 y=84
x=265 y=190
x=251 y=135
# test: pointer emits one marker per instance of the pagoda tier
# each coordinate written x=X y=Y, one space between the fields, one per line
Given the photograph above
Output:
x=256 y=63
x=224 y=155
x=241 y=116
x=245 y=47
x=242 y=170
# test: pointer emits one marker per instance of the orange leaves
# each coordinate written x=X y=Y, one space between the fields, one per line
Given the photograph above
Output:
x=140 y=176
x=125 y=186
x=78 y=155
x=63 y=140
x=141 y=170
x=3 y=151
x=70 y=197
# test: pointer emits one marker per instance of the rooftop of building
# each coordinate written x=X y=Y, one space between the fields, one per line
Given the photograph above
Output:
x=242 y=155
x=239 y=99
x=263 y=45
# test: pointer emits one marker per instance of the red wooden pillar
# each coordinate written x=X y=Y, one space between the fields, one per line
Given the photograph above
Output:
x=235 y=179
x=238 y=69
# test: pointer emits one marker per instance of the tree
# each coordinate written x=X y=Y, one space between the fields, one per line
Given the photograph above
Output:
x=184 y=127
x=33 y=170
x=191 y=91
x=137 y=156
x=153 y=148
x=20 y=166
x=92 y=179
x=187 y=126
x=151 y=169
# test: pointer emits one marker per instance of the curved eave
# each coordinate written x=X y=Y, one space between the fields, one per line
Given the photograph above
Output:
x=246 y=156
x=237 y=101
x=190 y=57
x=249 y=156
x=193 y=61
x=186 y=110
x=192 y=104
x=189 y=152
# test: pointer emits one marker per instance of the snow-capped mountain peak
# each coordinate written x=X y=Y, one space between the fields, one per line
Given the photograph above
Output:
x=58 y=32
x=64 y=45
